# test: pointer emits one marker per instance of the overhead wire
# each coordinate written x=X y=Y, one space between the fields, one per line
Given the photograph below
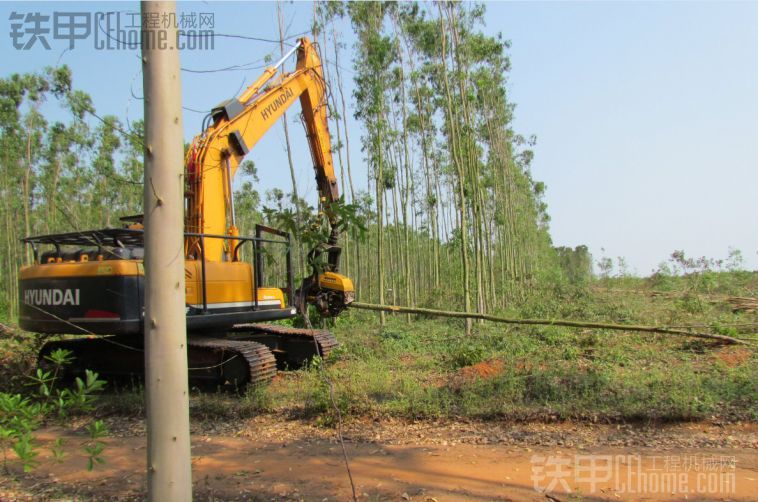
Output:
x=113 y=126
x=210 y=33
x=249 y=37
x=240 y=67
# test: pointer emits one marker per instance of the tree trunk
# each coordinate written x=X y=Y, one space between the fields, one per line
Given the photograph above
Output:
x=169 y=473
x=549 y=322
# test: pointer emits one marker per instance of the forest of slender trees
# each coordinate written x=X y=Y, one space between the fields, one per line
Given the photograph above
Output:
x=455 y=218
x=450 y=215
x=63 y=175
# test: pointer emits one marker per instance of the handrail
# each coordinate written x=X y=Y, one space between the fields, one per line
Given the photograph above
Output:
x=94 y=238
x=257 y=259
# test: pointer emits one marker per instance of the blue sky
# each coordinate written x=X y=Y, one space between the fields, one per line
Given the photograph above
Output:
x=645 y=113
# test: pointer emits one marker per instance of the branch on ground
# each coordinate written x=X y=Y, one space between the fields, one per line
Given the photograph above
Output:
x=551 y=322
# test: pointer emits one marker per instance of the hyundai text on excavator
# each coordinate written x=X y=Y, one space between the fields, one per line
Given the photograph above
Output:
x=92 y=282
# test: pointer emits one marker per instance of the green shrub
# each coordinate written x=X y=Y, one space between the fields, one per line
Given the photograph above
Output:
x=20 y=416
x=466 y=355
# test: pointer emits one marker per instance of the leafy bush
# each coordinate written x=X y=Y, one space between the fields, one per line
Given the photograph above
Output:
x=692 y=304
x=466 y=355
x=20 y=416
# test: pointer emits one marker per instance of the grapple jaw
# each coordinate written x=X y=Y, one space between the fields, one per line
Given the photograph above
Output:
x=329 y=292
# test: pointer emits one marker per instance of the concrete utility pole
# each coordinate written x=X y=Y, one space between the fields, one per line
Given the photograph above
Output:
x=169 y=472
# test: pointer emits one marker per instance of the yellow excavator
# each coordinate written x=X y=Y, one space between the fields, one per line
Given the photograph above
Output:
x=92 y=282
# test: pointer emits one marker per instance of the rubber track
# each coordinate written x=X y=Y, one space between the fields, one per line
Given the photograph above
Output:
x=260 y=361
x=326 y=341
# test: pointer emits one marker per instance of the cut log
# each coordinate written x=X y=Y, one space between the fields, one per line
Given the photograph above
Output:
x=550 y=322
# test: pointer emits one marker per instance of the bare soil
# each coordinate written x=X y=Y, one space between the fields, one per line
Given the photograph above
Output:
x=271 y=459
x=484 y=369
x=734 y=356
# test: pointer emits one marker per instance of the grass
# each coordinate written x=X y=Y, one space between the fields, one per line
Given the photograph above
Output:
x=542 y=373
x=430 y=369
x=419 y=370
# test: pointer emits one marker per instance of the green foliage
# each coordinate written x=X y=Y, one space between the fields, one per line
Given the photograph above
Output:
x=57 y=450
x=466 y=354
x=24 y=450
x=65 y=400
x=605 y=266
x=576 y=263
x=469 y=213
x=451 y=216
x=429 y=368
x=702 y=276
x=312 y=228
x=94 y=446
x=692 y=303
x=20 y=416
x=725 y=330
x=662 y=278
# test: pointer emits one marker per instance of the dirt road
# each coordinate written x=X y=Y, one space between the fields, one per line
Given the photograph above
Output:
x=269 y=459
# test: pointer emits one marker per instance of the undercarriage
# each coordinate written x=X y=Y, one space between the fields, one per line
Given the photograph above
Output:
x=248 y=354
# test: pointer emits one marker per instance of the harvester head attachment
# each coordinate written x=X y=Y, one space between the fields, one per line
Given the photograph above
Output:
x=329 y=292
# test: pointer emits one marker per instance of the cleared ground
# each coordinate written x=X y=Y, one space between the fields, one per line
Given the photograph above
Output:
x=271 y=459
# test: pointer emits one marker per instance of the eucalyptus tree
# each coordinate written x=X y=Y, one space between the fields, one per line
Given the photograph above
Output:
x=59 y=175
x=374 y=55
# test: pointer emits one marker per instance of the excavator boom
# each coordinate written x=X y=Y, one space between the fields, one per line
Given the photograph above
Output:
x=237 y=126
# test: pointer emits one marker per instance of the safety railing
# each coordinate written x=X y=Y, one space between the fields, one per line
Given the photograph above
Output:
x=123 y=239
x=258 y=259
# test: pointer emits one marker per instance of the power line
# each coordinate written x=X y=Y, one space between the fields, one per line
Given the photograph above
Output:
x=138 y=44
x=243 y=67
x=330 y=385
x=140 y=98
x=249 y=37
x=115 y=127
x=340 y=67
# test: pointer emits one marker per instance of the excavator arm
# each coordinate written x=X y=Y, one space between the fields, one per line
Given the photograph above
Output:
x=234 y=127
